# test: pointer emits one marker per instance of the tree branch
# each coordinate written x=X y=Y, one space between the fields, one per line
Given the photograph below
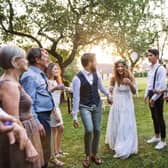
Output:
x=12 y=31
x=56 y=55
x=72 y=54
x=22 y=35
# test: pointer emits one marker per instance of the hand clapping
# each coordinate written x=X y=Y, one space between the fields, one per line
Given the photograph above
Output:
x=126 y=81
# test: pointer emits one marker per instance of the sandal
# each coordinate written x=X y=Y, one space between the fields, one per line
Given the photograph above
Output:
x=86 y=163
x=56 y=162
x=61 y=154
x=96 y=160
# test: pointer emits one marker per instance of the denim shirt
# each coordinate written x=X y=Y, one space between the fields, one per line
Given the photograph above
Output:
x=35 y=84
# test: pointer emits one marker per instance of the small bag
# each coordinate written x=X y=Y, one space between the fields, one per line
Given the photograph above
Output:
x=55 y=115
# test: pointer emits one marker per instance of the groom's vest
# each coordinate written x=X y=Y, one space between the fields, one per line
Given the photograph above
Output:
x=89 y=94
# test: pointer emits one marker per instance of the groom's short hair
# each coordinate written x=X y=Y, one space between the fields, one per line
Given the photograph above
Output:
x=86 y=58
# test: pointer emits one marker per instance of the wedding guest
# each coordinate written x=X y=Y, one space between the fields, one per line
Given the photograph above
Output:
x=86 y=99
x=121 y=133
x=156 y=81
x=9 y=124
x=35 y=83
x=15 y=101
x=56 y=86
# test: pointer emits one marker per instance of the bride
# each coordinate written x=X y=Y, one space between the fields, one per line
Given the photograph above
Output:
x=121 y=134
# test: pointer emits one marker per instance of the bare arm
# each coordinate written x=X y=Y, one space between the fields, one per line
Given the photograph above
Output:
x=10 y=98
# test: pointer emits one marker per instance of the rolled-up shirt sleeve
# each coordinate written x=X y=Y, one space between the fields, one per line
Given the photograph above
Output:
x=29 y=86
x=102 y=88
x=160 y=82
x=76 y=97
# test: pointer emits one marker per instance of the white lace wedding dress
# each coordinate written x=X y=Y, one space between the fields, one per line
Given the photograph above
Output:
x=121 y=134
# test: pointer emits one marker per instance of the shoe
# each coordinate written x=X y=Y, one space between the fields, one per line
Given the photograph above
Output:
x=153 y=140
x=86 y=163
x=160 y=145
x=96 y=160
x=116 y=156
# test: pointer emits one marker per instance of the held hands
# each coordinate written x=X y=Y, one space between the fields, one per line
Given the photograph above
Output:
x=110 y=100
x=75 y=124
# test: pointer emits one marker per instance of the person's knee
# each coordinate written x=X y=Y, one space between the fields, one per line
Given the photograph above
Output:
x=89 y=131
x=97 y=132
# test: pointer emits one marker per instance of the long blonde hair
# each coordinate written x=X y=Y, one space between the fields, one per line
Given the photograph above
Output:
x=117 y=78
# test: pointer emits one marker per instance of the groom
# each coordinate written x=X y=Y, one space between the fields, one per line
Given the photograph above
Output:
x=86 y=99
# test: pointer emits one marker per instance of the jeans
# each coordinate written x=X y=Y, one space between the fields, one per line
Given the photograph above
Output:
x=158 y=118
x=44 y=118
x=91 y=118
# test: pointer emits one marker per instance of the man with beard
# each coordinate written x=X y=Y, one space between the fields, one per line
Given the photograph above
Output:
x=86 y=85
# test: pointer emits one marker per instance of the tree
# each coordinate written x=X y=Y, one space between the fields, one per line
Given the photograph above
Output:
x=130 y=27
x=50 y=24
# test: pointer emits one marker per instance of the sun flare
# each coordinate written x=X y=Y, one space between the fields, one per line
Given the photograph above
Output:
x=103 y=55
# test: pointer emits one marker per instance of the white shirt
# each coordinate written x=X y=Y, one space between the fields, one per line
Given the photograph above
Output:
x=160 y=82
x=76 y=84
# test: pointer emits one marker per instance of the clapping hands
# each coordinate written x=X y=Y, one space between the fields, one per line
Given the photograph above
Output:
x=126 y=81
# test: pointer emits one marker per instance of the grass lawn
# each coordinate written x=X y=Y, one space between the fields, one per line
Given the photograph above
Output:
x=147 y=156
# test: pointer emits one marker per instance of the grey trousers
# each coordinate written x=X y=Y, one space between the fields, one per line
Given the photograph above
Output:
x=91 y=118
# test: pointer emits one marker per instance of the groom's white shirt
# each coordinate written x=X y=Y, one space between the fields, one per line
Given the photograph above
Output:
x=76 y=83
x=160 y=80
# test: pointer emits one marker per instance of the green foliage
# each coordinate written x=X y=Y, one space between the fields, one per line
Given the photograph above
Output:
x=130 y=26
x=71 y=71
x=50 y=24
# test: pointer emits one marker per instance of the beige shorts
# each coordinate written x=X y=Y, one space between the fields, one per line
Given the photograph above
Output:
x=53 y=122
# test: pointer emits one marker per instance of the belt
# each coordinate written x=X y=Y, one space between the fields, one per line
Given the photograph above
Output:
x=91 y=108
